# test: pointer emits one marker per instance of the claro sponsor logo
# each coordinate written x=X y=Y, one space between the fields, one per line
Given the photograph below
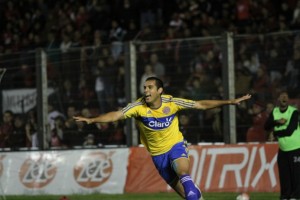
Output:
x=158 y=123
x=93 y=169
x=38 y=170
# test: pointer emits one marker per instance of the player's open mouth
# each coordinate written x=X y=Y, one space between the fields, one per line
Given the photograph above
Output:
x=147 y=96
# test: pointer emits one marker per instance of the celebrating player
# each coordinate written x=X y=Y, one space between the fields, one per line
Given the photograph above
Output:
x=156 y=117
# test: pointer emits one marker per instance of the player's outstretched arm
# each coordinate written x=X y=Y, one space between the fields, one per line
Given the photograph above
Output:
x=208 y=104
x=103 y=118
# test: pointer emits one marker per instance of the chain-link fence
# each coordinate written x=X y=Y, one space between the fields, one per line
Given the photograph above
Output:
x=92 y=80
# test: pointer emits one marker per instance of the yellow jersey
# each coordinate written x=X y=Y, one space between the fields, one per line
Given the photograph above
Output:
x=159 y=128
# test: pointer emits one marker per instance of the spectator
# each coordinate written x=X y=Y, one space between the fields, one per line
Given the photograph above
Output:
x=158 y=67
x=31 y=130
x=55 y=141
x=116 y=36
x=183 y=55
x=57 y=134
x=261 y=84
x=31 y=135
x=68 y=93
x=97 y=11
x=86 y=94
x=65 y=46
x=85 y=129
x=132 y=31
x=257 y=133
x=110 y=71
x=70 y=124
x=24 y=77
x=52 y=49
x=243 y=13
x=53 y=113
x=253 y=63
x=117 y=135
x=176 y=21
x=291 y=75
x=148 y=72
x=269 y=108
x=286 y=13
x=81 y=17
x=89 y=140
x=23 y=30
x=94 y=53
x=148 y=9
x=120 y=87
x=244 y=120
x=18 y=137
x=6 y=128
x=243 y=79
x=214 y=117
x=66 y=43
x=189 y=130
x=296 y=13
x=126 y=12
x=100 y=86
x=197 y=71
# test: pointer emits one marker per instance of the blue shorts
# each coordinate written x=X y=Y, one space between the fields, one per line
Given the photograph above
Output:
x=164 y=162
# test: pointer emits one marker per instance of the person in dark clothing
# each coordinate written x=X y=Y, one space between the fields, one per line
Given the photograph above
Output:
x=283 y=121
x=6 y=128
x=18 y=136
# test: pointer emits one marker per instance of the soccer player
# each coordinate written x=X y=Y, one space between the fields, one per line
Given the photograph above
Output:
x=156 y=118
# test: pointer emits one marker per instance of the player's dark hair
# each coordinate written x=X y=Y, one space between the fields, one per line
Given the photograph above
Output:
x=158 y=82
x=283 y=91
x=9 y=112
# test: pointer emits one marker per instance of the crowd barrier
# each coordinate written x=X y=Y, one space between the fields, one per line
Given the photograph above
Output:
x=215 y=168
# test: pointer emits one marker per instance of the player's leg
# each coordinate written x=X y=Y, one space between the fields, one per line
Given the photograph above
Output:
x=284 y=174
x=185 y=183
x=178 y=187
x=165 y=170
x=295 y=165
x=167 y=163
x=180 y=162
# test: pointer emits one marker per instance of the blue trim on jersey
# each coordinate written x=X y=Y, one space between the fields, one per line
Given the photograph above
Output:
x=164 y=162
x=158 y=123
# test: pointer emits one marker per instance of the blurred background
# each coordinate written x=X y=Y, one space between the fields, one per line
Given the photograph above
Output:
x=86 y=57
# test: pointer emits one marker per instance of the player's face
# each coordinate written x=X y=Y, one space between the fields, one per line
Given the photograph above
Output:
x=283 y=99
x=152 y=94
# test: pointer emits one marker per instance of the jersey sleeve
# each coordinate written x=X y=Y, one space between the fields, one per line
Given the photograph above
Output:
x=183 y=104
x=132 y=109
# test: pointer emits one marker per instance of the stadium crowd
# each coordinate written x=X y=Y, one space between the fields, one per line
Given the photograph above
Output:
x=95 y=83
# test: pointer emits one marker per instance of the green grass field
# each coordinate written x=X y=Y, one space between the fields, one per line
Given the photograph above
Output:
x=160 y=196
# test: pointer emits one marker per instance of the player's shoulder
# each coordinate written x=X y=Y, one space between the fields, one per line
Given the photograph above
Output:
x=293 y=108
x=137 y=103
x=178 y=101
x=170 y=98
x=167 y=98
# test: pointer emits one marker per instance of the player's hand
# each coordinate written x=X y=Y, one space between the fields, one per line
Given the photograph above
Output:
x=243 y=98
x=281 y=121
x=82 y=119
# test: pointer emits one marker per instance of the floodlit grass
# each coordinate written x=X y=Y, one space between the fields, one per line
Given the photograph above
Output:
x=160 y=196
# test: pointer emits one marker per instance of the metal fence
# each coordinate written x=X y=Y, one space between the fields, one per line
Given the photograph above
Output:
x=43 y=89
